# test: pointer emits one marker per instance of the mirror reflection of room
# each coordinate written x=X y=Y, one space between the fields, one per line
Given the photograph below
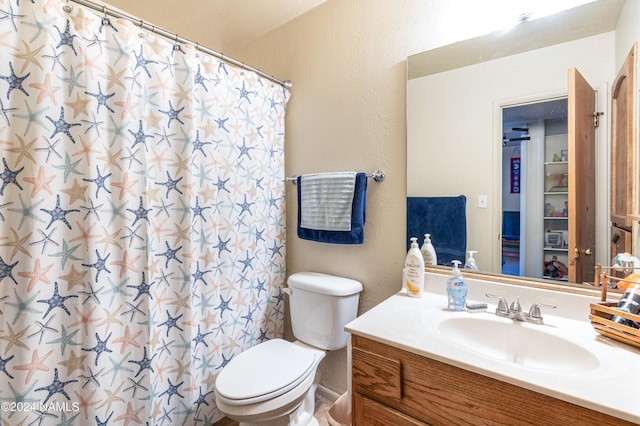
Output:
x=535 y=190
x=458 y=107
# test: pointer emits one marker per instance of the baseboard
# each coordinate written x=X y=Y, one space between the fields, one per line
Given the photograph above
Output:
x=327 y=393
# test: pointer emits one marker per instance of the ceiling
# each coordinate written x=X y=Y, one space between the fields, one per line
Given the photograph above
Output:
x=220 y=25
x=582 y=21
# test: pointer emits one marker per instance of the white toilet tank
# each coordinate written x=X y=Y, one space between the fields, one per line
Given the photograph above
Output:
x=321 y=305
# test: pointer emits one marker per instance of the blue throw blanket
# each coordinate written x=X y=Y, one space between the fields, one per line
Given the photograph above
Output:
x=358 y=214
x=445 y=218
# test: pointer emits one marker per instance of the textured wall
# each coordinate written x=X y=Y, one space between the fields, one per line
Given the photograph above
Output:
x=347 y=62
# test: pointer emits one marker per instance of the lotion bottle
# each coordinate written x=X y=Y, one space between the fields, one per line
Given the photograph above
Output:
x=428 y=251
x=471 y=261
x=414 y=270
x=456 y=289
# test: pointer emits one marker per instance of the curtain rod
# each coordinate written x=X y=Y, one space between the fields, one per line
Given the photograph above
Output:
x=167 y=34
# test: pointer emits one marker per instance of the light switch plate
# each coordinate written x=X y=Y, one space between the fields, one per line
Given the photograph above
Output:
x=482 y=201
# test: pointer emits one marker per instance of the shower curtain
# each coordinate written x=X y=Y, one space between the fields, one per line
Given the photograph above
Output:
x=142 y=219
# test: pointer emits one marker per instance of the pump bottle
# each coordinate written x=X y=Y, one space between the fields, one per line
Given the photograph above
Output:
x=471 y=261
x=414 y=270
x=428 y=251
x=456 y=289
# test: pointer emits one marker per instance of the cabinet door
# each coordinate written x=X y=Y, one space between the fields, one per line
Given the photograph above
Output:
x=582 y=179
x=622 y=143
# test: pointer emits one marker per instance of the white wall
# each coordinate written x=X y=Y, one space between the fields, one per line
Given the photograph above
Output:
x=451 y=131
x=627 y=31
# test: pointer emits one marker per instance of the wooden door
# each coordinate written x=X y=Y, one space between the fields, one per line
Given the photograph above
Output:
x=582 y=178
x=622 y=144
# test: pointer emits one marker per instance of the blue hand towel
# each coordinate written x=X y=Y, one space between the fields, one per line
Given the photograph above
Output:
x=445 y=218
x=358 y=214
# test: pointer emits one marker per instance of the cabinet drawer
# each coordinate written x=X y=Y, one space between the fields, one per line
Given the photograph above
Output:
x=376 y=374
x=371 y=413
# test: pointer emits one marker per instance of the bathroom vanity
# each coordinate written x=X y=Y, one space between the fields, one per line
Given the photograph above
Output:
x=415 y=363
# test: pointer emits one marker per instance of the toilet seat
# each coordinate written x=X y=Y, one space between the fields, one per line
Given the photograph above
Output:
x=264 y=372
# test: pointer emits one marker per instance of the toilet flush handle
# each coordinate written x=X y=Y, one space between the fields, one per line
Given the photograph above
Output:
x=287 y=291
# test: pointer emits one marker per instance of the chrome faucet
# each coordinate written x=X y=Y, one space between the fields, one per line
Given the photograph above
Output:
x=514 y=311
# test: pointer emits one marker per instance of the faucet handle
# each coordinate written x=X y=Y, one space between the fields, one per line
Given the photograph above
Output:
x=503 y=307
x=534 y=314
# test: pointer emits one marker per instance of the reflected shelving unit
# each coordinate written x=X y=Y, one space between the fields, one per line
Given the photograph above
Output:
x=556 y=197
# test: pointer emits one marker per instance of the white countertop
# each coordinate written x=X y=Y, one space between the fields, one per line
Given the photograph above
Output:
x=411 y=324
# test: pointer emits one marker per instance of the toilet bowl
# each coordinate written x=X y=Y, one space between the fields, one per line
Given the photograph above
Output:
x=269 y=383
x=274 y=383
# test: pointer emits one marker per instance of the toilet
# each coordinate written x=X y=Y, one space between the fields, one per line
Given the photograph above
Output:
x=274 y=383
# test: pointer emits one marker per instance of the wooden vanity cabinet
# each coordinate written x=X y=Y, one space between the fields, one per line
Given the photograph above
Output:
x=395 y=387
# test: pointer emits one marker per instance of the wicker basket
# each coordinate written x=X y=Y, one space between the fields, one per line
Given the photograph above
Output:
x=602 y=312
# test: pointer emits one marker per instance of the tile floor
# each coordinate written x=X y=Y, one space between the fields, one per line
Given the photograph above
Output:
x=322 y=406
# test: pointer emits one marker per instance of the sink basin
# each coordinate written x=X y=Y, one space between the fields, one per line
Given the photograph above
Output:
x=518 y=343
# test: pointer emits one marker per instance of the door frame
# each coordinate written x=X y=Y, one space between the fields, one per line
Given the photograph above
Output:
x=603 y=154
x=603 y=174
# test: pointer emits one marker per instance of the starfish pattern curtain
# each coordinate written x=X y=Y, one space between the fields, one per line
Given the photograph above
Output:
x=142 y=222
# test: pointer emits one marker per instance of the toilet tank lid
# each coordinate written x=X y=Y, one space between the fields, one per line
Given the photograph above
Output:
x=324 y=284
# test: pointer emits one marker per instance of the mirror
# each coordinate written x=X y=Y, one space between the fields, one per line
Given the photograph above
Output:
x=456 y=96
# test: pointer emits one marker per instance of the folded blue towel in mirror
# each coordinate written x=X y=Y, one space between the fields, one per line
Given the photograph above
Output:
x=445 y=218
x=358 y=214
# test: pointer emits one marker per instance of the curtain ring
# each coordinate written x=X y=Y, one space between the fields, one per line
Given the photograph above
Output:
x=141 y=23
x=105 y=18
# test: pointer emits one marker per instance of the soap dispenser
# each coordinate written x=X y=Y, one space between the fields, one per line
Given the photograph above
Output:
x=414 y=270
x=471 y=261
x=456 y=289
x=428 y=251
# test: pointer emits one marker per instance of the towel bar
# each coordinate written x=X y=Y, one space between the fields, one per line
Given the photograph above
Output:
x=378 y=176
